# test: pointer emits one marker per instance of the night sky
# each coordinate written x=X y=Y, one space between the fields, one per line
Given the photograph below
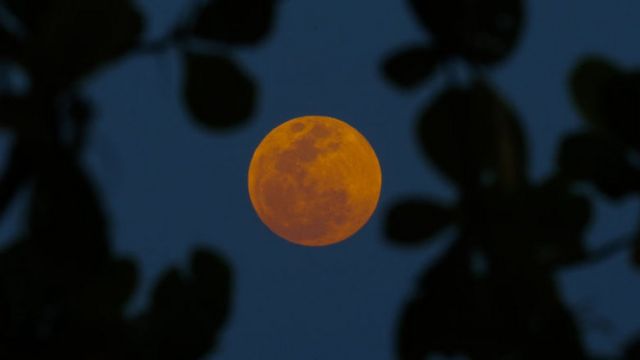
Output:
x=170 y=185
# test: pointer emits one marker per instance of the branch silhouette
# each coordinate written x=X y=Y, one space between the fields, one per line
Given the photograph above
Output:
x=493 y=294
x=62 y=289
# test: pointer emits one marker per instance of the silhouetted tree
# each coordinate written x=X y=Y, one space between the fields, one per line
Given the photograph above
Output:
x=493 y=294
x=608 y=98
x=62 y=290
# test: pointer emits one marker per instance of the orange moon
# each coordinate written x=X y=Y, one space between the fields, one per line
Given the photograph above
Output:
x=314 y=180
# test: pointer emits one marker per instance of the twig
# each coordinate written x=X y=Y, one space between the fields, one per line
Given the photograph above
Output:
x=174 y=38
x=611 y=248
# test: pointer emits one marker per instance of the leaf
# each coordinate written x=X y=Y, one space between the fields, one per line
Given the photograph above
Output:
x=69 y=39
x=608 y=98
x=623 y=105
x=632 y=350
x=67 y=226
x=64 y=204
x=209 y=268
x=91 y=321
x=240 y=22
x=414 y=221
x=589 y=82
x=217 y=92
x=188 y=311
x=482 y=31
x=558 y=220
x=540 y=227
x=504 y=314
x=409 y=67
x=437 y=317
x=472 y=133
x=107 y=295
x=601 y=160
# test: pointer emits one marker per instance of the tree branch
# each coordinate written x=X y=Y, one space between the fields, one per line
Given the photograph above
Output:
x=609 y=249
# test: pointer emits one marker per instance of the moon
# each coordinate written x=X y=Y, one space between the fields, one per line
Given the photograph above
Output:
x=314 y=180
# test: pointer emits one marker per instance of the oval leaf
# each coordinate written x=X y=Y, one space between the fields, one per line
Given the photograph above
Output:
x=410 y=67
x=608 y=98
x=235 y=21
x=217 y=92
x=601 y=160
x=469 y=133
x=107 y=294
x=456 y=311
x=415 y=221
x=188 y=312
x=623 y=108
x=588 y=82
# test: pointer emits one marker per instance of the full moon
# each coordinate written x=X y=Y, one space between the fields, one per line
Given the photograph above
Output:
x=314 y=180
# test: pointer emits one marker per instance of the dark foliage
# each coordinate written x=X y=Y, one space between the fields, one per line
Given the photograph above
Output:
x=216 y=91
x=240 y=22
x=63 y=291
x=416 y=220
x=493 y=294
x=408 y=68
x=479 y=31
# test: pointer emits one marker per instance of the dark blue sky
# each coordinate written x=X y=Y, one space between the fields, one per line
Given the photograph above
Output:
x=169 y=186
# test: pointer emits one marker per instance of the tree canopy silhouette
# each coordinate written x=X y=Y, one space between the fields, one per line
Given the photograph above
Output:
x=62 y=289
x=493 y=294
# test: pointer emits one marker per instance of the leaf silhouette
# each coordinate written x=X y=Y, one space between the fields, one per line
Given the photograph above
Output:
x=188 y=311
x=609 y=98
x=414 y=221
x=623 y=102
x=66 y=221
x=589 y=82
x=632 y=352
x=434 y=319
x=503 y=314
x=469 y=133
x=411 y=66
x=542 y=227
x=216 y=91
x=481 y=31
x=91 y=322
x=68 y=39
x=598 y=158
x=105 y=297
x=240 y=22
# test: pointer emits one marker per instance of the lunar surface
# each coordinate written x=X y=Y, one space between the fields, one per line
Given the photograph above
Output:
x=314 y=180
